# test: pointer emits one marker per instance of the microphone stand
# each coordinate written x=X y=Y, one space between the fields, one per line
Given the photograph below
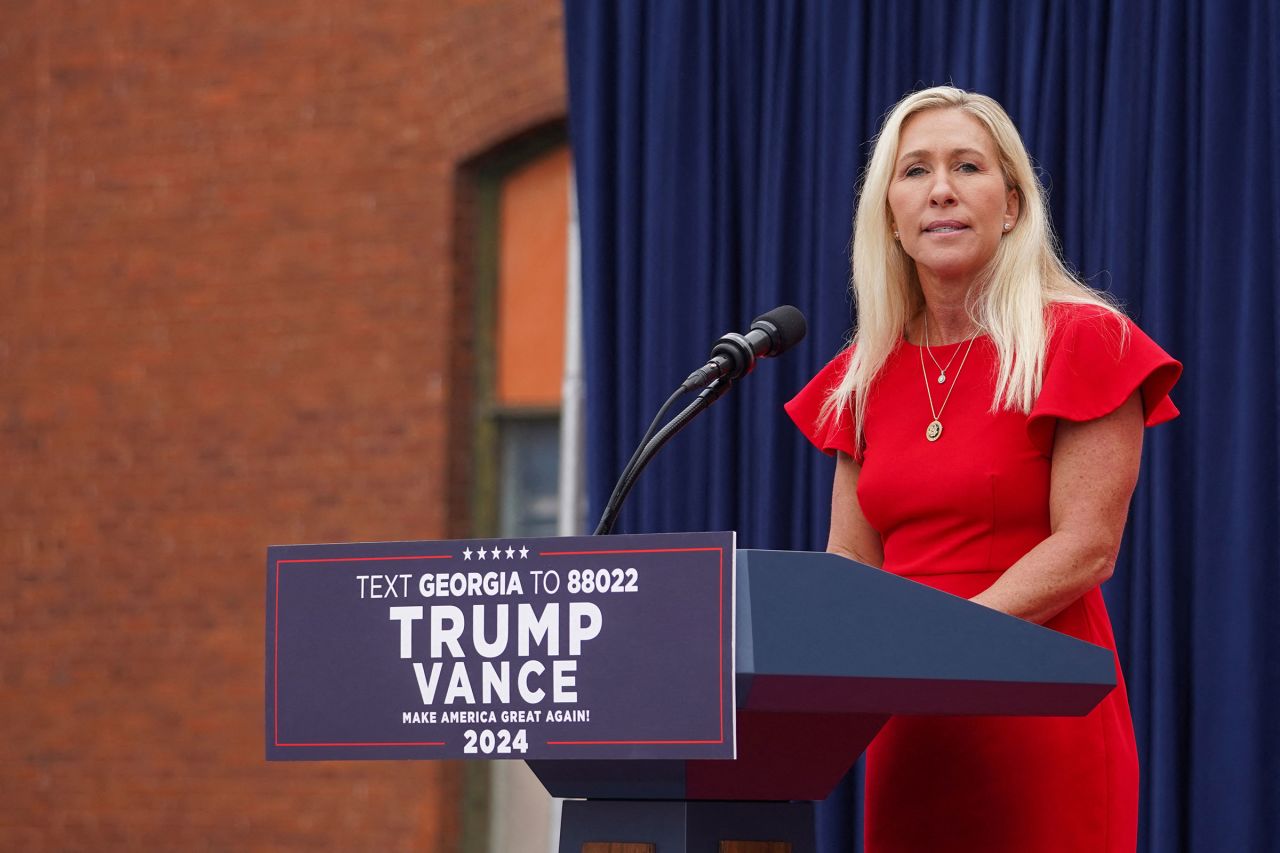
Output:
x=649 y=447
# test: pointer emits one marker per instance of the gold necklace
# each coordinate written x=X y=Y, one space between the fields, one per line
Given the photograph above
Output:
x=942 y=371
x=934 y=431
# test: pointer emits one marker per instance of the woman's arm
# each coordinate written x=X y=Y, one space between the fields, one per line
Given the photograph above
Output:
x=851 y=534
x=1095 y=468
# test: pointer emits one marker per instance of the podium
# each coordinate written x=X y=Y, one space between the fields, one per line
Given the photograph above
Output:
x=827 y=651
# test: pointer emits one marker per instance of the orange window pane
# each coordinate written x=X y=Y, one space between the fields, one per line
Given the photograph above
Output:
x=533 y=230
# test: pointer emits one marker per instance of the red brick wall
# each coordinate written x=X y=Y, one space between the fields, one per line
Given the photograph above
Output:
x=229 y=288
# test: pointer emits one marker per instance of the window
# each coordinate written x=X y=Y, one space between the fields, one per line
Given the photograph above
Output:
x=529 y=319
x=518 y=235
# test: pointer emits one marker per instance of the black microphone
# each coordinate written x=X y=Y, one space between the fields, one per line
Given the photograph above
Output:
x=734 y=355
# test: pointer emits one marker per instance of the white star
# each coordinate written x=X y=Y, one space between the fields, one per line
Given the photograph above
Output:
x=466 y=555
x=524 y=552
x=496 y=553
x=480 y=554
x=511 y=552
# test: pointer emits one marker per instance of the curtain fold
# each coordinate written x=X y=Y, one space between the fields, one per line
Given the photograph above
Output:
x=717 y=150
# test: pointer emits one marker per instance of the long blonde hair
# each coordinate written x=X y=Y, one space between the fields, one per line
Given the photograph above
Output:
x=1021 y=281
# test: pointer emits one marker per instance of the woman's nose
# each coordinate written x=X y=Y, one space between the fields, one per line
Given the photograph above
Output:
x=941 y=194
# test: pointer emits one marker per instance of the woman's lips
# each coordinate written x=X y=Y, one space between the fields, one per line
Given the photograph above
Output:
x=945 y=226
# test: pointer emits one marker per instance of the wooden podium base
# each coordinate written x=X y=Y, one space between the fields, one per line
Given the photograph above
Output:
x=643 y=826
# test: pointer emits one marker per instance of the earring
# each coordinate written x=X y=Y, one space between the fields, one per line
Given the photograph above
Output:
x=1007 y=226
x=895 y=235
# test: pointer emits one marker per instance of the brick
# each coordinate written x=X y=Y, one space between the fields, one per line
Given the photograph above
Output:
x=236 y=304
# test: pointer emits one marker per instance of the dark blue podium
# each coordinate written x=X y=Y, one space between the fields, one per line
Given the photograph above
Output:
x=827 y=650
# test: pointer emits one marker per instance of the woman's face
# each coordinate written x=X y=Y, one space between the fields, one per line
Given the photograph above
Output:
x=948 y=198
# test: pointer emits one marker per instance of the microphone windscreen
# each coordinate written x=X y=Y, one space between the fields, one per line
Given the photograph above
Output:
x=789 y=322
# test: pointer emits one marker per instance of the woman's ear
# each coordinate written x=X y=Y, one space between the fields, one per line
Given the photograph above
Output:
x=1012 y=207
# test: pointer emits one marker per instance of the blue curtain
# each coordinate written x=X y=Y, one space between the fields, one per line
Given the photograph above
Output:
x=717 y=148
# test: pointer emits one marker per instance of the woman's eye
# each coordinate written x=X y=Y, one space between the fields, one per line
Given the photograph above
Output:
x=967 y=167
x=914 y=171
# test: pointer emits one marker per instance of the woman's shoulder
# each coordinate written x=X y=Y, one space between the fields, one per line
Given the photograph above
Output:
x=1096 y=359
x=1069 y=325
x=829 y=429
x=1064 y=316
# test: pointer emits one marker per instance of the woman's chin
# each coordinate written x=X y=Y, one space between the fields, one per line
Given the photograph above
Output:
x=949 y=271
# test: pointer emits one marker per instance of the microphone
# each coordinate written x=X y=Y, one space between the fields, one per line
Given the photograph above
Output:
x=734 y=355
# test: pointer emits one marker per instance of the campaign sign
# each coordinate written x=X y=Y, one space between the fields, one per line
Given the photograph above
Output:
x=570 y=647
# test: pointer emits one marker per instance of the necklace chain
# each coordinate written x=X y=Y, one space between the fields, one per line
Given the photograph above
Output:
x=942 y=371
x=934 y=431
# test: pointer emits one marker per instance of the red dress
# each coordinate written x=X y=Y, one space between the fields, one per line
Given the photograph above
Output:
x=954 y=514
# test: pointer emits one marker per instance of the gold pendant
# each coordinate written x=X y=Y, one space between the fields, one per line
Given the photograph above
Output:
x=934 y=432
x=942 y=377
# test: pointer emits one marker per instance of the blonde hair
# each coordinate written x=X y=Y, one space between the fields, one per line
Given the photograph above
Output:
x=1020 y=282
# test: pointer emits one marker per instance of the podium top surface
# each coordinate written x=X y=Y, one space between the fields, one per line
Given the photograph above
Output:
x=813 y=627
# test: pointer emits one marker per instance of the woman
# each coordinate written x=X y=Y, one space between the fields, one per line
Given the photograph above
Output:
x=987 y=421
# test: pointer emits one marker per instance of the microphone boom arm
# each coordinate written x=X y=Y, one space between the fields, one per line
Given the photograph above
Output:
x=644 y=454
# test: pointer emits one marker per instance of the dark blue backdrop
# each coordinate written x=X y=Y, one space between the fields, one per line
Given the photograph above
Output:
x=717 y=147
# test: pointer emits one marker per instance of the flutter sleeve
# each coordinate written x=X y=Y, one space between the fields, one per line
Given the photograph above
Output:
x=1096 y=360
x=836 y=433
